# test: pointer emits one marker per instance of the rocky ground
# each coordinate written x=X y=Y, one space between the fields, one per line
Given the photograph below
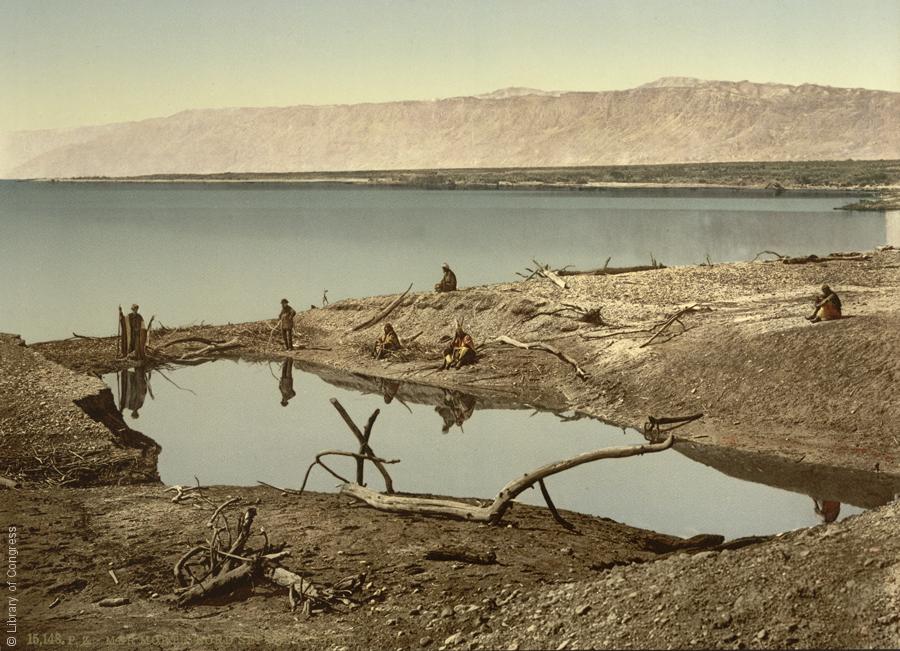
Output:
x=771 y=385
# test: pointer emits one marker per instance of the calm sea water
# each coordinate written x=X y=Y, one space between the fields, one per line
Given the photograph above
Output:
x=71 y=253
x=225 y=423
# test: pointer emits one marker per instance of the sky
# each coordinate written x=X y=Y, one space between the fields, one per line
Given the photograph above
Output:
x=67 y=63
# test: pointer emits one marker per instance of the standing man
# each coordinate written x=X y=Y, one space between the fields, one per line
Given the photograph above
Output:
x=132 y=336
x=286 y=321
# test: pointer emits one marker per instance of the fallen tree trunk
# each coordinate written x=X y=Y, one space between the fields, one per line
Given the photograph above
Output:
x=212 y=348
x=545 y=271
x=494 y=512
x=539 y=345
x=828 y=258
x=390 y=308
x=185 y=340
x=609 y=271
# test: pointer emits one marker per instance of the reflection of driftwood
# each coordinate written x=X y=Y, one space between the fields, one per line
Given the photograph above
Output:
x=672 y=319
x=378 y=317
x=539 y=345
x=651 y=427
x=494 y=512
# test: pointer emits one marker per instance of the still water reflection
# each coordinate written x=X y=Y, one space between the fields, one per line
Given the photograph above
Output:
x=236 y=423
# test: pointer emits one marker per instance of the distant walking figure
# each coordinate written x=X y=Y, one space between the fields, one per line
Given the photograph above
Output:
x=828 y=306
x=448 y=282
x=324 y=297
x=286 y=321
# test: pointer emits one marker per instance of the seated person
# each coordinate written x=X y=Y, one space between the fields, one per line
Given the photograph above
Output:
x=448 y=282
x=461 y=350
x=387 y=342
x=828 y=306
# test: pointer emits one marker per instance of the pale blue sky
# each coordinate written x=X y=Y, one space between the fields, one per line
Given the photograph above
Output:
x=75 y=62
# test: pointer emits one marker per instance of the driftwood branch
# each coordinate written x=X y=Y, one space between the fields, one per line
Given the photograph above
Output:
x=185 y=340
x=828 y=258
x=378 y=317
x=230 y=567
x=762 y=253
x=672 y=319
x=494 y=512
x=212 y=348
x=364 y=442
x=539 y=345
x=550 y=505
x=609 y=271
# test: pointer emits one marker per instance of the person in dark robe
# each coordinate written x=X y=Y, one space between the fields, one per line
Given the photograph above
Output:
x=132 y=336
x=448 y=282
x=461 y=350
x=387 y=342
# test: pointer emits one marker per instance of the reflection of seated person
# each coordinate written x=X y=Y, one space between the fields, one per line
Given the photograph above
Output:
x=132 y=390
x=389 y=389
x=456 y=410
x=827 y=510
x=286 y=383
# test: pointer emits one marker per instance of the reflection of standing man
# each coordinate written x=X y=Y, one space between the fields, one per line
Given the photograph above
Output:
x=286 y=321
x=286 y=383
x=133 y=387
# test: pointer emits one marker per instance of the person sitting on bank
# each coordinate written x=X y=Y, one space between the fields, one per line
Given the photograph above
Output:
x=828 y=306
x=448 y=282
x=461 y=350
x=286 y=321
x=387 y=342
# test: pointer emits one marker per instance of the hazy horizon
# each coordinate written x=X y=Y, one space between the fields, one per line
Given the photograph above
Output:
x=72 y=64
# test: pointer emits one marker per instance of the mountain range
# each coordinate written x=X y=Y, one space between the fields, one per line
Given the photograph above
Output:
x=671 y=120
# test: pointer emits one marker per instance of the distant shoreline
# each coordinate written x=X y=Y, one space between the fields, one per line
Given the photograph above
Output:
x=877 y=182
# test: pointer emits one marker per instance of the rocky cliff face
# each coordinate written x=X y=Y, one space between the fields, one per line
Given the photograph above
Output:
x=668 y=121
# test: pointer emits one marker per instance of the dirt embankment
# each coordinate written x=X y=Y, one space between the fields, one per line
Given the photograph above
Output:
x=766 y=379
x=61 y=427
